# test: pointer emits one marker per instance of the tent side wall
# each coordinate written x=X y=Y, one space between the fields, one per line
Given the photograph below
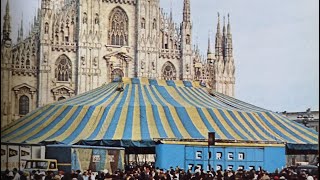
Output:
x=187 y=157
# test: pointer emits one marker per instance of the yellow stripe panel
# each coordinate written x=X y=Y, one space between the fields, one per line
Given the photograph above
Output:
x=22 y=122
x=91 y=125
x=236 y=124
x=179 y=83
x=136 y=127
x=213 y=123
x=107 y=121
x=144 y=81
x=197 y=121
x=126 y=80
x=192 y=111
x=99 y=98
x=73 y=126
x=87 y=95
x=185 y=96
x=177 y=97
x=293 y=129
x=162 y=82
x=280 y=128
x=162 y=115
x=44 y=124
x=122 y=120
x=226 y=125
x=196 y=84
x=260 y=131
x=175 y=116
x=153 y=130
x=198 y=98
x=305 y=130
x=18 y=133
x=252 y=131
x=56 y=127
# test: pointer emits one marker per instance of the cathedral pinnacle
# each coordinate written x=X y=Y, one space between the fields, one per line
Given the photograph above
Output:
x=209 y=44
x=229 y=26
x=6 y=25
x=186 y=11
x=21 y=29
x=218 y=25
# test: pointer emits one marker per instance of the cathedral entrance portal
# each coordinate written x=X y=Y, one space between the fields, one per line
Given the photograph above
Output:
x=116 y=74
x=169 y=71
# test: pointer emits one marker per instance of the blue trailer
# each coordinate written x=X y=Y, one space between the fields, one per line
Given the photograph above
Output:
x=220 y=157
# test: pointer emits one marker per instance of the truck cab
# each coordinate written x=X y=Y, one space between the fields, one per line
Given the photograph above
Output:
x=42 y=165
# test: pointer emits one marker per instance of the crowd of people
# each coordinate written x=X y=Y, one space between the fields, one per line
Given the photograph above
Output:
x=147 y=172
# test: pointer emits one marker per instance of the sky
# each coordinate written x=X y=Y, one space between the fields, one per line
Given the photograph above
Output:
x=276 y=45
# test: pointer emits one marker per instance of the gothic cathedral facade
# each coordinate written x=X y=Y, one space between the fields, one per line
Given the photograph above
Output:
x=77 y=45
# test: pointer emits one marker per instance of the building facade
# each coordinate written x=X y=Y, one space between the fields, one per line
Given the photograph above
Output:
x=76 y=46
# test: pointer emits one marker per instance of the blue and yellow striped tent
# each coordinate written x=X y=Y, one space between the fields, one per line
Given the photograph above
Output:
x=155 y=110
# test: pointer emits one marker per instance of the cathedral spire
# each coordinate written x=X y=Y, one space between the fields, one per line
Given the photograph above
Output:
x=6 y=23
x=224 y=26
x=186 y=11
x=218 y=25
x=209 y=44
x=229 y=26
x=21 y=28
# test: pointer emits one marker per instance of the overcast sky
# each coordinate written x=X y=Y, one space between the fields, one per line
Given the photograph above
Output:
x=276 y=45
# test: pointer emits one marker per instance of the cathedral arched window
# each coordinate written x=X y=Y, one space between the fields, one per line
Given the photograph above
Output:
x=118 y=33
x=188 y=39
x=154 y=24
x=28 y=62
x=46 y=28
x=23 y=105
x=169 y=71
x=63 y=69
x=143 y=23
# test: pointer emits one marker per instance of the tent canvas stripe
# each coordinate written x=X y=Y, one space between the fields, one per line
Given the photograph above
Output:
x=279 y=128
x=106 y=116
x=245 y=126
x=235 y=123
x=75 y=121
x=221 y=126
x=301 y=128
x=264 y=130
x=291 y=130
x=128 y=124
x=116 y=128
x=226 y=122
x=173 y=119
x=21 y=131
x=145 y=122
x=25 y=122
x=181 y=111
x=160 y=122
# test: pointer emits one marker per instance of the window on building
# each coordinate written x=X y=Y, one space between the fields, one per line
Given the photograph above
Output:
x=154 y=24
x=118 y=34
x=63 y=69
x=143 y=23
x=23 y=105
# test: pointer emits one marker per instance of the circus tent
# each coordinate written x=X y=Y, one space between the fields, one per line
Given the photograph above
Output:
x=150 y=111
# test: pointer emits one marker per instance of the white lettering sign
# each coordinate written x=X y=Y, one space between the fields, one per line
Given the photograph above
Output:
x=218 y=155
x=198 y=155
x=219 y=167
x=241 y=156
x=230 y=167
x=230 y=156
